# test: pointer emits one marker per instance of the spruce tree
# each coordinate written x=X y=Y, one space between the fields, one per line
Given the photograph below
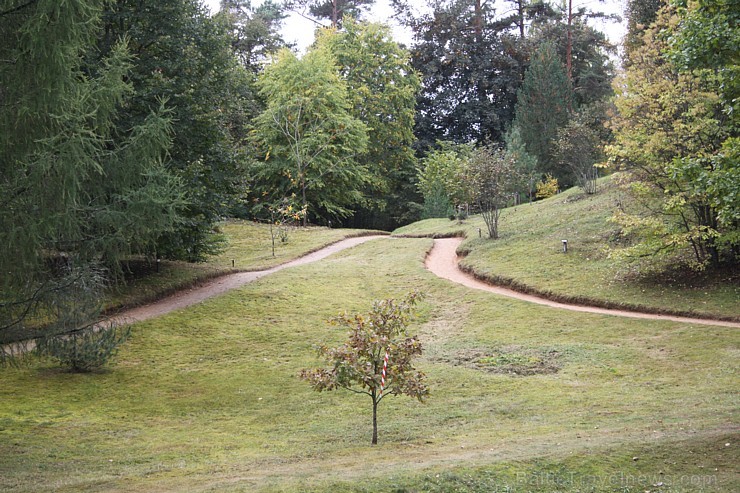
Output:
x=544 y=105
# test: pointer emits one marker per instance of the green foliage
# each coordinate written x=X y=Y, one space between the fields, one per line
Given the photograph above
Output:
x=255 y=30
x=548 y=187
x=336 y=11
x=673 y=136
x=491 y=180
x=579 y=147
x=707 y=40
x=640 y=15
x=86 y=350
x=437 y=203
x=707 y=35
x=438 y=178
x=283 y=216
x=81 y=187
x=358 y=364
x=185 y=58
x=308 y=137
x=381 y=89
x=544 y=105
x=471 y=65
x=526 y=164
x=592 y=68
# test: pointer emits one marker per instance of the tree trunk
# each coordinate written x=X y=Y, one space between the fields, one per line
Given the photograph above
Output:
x=303 y=200
x=375 y=418
x=569 y=47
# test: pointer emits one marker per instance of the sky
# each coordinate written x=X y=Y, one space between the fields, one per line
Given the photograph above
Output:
x=300 y=31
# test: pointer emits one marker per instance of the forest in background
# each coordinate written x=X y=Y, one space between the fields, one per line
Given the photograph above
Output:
x=133 y=127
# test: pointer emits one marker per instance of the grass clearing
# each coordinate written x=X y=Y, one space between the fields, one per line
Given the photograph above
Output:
x=586 y=274
x=249 y=248
x=208 y=399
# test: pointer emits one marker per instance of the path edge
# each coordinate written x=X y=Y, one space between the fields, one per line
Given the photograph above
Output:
x=584 y=301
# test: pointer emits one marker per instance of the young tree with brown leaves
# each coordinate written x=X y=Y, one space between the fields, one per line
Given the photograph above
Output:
x=357 y=365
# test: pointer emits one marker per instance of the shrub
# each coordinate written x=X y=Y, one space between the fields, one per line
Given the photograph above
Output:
x=547 y=187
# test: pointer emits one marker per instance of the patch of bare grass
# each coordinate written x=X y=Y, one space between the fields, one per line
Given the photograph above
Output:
x=508 y=360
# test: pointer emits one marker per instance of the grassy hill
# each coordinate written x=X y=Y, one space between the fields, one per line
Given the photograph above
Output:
x=249 y=247
x=529 y=257
x=524 y=398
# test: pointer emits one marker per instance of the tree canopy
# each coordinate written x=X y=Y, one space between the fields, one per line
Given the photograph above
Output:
x=307 y=137
x=81 y=186
x=672 y=136
x=381 y=88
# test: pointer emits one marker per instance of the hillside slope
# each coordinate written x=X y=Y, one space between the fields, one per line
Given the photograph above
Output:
x=529 y=256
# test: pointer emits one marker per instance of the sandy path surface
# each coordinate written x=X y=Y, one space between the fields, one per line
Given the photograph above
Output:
x=228 y=282
x=443 y=260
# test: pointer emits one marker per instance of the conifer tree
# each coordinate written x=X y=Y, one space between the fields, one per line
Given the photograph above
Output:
x=77 y=190
x=544 y=105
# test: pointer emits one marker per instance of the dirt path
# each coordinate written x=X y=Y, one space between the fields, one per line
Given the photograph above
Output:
x=442 y=261
x=228 y=282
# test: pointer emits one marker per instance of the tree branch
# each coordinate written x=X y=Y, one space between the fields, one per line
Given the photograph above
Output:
x=17 y=8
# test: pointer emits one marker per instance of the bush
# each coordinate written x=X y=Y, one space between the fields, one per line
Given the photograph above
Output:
x=85 y=350
x=547 y=187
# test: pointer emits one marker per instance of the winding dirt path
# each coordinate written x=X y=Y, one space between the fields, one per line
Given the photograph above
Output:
x=228 y=282
x=443 y=260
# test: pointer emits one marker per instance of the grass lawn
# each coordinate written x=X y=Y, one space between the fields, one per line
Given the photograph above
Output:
x=524 y=398
x=249 y=248
x=529 y=255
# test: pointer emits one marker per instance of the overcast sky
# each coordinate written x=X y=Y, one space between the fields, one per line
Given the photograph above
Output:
x=300 y=31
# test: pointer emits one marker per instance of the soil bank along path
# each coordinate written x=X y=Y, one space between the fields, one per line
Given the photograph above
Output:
x=443 y=260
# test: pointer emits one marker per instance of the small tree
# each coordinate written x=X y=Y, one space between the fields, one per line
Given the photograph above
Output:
x=578 y=149
x=358 y=364
x=491 y=179
x=86 y=350
x=525 y=162
x=438 y=178
x=283 y=215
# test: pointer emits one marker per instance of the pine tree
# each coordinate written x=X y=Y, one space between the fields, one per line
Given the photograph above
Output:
x=544 y=105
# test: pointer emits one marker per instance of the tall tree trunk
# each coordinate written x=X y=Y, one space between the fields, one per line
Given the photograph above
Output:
x=303 y=200
x=520 y=5
x=569 y=46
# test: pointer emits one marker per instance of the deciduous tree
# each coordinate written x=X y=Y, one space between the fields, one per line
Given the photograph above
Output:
x=308 y=137
x=439 y=178
x=673 y=138
x=359 y=364
x=491 y=180
x=381 y=88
